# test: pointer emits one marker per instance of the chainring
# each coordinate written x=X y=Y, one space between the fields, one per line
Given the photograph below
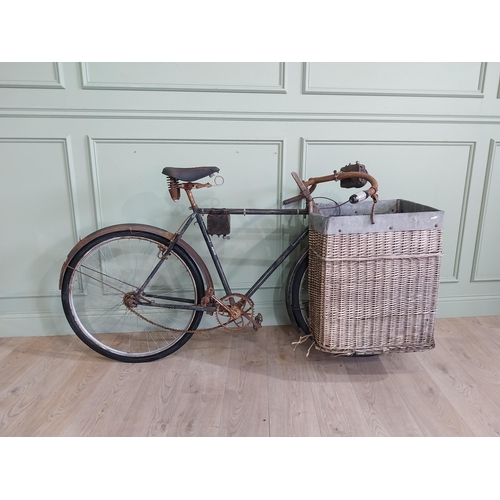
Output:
x=234 y=311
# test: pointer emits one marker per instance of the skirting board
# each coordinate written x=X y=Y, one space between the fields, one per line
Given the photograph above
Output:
x=46 y=324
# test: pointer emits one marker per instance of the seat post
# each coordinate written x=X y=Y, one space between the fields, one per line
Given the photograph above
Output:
x=187 y=187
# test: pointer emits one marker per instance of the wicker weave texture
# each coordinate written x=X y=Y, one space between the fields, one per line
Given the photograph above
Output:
x=374 y=292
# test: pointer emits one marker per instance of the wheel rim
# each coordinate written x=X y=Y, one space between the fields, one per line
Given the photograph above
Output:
x=116 y=267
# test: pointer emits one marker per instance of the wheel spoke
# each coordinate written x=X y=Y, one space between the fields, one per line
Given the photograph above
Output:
x=105 y=270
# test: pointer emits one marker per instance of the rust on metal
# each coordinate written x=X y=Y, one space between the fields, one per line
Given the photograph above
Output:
x=306 y=193
x=136 y=228
x=208 y=299
x=188 y=186
x=312 y=182
x=173 y=188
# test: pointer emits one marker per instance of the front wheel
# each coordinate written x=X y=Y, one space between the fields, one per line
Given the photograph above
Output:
x=297 y=299
x=100 y=300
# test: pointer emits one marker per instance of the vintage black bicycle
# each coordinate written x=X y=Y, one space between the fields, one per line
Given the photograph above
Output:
x=137 y=293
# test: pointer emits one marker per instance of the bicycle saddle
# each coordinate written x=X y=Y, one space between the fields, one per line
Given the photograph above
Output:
x=190 y=174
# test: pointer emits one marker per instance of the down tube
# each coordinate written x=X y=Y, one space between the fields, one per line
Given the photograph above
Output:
x=277 y=263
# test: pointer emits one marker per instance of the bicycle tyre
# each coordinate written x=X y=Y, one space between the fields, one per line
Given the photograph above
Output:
x=298 y=297
x=111 y=265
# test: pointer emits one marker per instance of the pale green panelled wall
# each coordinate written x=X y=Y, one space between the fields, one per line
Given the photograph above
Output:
x=82 y=146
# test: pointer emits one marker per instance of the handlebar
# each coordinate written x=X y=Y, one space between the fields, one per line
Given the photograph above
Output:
x=307 y=187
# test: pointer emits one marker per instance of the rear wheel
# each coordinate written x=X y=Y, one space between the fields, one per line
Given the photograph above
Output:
x=101 y=303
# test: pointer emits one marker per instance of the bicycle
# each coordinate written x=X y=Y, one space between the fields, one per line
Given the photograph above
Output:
x=137 y=293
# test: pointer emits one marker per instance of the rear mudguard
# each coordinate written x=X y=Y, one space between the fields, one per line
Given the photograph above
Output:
x=134 y=228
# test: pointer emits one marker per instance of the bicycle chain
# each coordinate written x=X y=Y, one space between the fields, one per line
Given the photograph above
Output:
x=175 y=330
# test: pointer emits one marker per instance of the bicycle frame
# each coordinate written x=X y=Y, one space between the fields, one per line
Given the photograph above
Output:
x=101 y=294
x=197 y=216
x=306 y=190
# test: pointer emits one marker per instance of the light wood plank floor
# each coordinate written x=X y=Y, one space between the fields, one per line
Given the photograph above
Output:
x=255 y=384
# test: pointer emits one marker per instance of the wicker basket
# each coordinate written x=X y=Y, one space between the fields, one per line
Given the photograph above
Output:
x=373 y=287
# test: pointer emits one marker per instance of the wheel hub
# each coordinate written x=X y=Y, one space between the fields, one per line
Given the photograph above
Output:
x=130 y=300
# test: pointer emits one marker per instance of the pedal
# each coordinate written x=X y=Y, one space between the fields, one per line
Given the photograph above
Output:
x=257 y=322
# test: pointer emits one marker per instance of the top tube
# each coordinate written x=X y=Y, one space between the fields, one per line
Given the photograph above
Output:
x=252 y=211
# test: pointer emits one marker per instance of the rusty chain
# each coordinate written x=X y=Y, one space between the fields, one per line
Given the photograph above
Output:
x=218 y=313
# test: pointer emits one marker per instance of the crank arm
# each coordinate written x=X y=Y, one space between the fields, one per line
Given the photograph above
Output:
x=228 y=309
x=256 y=325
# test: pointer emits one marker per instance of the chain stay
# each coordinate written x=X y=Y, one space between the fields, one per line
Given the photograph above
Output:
x=220 y=306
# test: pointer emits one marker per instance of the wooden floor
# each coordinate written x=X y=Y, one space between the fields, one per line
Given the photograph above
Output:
x=255 y=384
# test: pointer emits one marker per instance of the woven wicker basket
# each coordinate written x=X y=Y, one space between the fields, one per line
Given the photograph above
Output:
x=373 y=287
